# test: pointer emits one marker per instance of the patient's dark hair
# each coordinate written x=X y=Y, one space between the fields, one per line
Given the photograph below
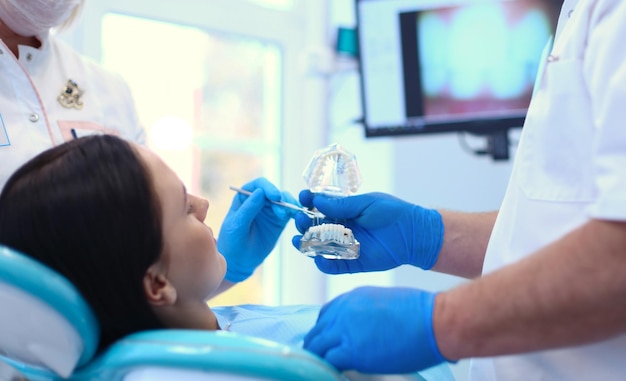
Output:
x=88 y=209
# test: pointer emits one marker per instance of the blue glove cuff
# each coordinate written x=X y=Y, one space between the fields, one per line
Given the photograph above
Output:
x=437 y=356
x=429 y=243
x=235 y=276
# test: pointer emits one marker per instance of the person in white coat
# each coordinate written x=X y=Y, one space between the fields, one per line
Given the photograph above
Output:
x=547 y=295
x=49 y=93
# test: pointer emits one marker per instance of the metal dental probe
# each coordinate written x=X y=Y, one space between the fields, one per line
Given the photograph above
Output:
x=306 y=211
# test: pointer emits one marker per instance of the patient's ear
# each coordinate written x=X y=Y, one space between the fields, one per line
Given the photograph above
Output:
x=158 y=289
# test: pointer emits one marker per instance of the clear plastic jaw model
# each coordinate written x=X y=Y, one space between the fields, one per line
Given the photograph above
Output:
x=331 y=241
x=332 y=171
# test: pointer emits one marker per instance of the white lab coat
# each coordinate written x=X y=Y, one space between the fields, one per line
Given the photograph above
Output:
x=32 y=119
x=570 y=167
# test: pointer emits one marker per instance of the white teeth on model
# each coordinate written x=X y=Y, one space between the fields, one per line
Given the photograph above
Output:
x=331 y=241
x=329 y=232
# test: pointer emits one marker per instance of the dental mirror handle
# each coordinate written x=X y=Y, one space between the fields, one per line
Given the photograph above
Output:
x=306 y=211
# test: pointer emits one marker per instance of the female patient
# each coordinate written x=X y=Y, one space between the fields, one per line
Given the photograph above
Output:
x=118 y=223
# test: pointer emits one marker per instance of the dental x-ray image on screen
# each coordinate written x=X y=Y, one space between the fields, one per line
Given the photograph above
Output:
x=438 y=66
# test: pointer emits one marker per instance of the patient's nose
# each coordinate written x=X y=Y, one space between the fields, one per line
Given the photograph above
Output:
x=200 y=206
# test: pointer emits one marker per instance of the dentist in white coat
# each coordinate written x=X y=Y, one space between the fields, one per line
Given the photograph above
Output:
x=566 y=201
x=48 y=92
x=546 y=295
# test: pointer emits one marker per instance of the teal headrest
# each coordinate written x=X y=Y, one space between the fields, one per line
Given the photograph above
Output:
x=36 y=298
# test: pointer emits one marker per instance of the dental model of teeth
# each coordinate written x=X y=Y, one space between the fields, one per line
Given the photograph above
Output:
x=332 y=241
x=333 y=171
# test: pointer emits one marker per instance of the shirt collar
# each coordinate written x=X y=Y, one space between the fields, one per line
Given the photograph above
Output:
x=566 y=12
x=29 y=55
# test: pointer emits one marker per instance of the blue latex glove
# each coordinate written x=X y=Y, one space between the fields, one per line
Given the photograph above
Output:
x=252 y=227
x=377 y=330
x=391 y=232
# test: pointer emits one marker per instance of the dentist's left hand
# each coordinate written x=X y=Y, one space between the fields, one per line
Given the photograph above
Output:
x=252 y=227
x=377 y=330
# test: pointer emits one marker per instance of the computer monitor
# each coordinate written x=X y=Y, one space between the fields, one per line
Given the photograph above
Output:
x=431 y=66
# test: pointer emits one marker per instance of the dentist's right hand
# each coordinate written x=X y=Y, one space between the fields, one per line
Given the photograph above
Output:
x=377 y=330
x=252 y=227
x=392 y=232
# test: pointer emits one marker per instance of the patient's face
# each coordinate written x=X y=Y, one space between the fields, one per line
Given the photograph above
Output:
x=194 y=266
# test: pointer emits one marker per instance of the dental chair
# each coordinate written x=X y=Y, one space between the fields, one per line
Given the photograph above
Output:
x=49 y=333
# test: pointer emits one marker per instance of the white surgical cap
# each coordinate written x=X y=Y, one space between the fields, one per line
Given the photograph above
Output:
x=35 y=17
